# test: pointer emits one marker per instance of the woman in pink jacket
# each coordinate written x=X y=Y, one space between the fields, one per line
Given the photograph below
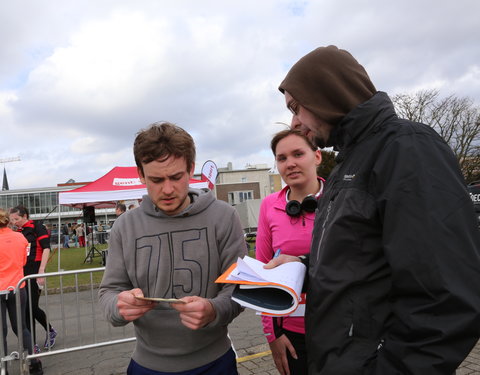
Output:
x=285 y=223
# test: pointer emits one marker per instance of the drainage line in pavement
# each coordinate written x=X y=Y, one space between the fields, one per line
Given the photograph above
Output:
x=253 y=356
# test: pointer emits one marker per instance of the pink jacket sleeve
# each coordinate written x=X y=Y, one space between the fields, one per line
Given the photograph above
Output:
x=264 y=253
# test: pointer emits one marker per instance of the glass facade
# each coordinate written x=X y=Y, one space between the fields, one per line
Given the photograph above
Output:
x=36 y=202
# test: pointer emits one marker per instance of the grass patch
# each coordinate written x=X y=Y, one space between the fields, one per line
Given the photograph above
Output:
x=73 y=259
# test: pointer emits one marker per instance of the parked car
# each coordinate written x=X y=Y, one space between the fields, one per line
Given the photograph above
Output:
x=474 y=189
x=250 y=237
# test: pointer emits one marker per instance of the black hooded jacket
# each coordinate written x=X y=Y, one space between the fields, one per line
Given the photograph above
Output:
x=394 y=270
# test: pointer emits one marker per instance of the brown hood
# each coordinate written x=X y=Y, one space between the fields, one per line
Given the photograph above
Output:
x=328 y=82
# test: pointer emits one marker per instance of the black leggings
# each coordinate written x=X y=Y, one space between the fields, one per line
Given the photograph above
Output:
x=297 y=366
x=33 y=293
x=8 y=304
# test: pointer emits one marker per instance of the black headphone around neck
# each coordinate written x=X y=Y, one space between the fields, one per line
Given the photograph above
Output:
x=294 y=208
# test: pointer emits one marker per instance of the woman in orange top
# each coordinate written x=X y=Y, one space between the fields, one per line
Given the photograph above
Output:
x=13 y=256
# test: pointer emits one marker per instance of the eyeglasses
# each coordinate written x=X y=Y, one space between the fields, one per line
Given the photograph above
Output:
x=293 y=107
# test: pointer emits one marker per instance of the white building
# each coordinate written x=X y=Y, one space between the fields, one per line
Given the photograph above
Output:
x=253 y=182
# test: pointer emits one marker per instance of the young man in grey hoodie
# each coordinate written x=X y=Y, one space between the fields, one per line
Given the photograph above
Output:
x=173 y=246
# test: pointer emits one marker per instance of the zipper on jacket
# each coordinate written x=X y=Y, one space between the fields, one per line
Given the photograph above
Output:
x=380 y=345
x=329 y=208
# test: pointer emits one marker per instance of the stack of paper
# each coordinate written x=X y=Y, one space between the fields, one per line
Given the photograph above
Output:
x=275 y=291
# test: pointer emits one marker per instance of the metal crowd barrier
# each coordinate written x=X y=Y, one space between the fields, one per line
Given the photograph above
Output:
x=73 y=312
x=4 y=358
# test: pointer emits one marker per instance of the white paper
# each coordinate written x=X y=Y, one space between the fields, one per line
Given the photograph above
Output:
x=289 y=274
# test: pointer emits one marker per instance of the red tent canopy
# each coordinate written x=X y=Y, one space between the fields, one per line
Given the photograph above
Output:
x=120 y=184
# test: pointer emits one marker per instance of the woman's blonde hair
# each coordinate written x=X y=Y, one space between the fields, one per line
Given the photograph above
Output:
x=4 y=218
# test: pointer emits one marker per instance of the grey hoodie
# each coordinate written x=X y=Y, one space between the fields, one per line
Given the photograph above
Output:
x=172 y=257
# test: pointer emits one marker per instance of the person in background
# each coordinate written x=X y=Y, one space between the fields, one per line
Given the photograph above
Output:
x=80 y=232
x=36 y=234
x=175 y=245
x=13 y=256
x=101 y=233
x=74 y=234
x=285 y=224
x=120 y=209
x=394 y=267
x=66 y=235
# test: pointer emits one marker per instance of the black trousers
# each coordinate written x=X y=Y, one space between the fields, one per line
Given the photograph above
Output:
x=33 y=295
x=297 y=366
x=7 y=303
x=225 y=365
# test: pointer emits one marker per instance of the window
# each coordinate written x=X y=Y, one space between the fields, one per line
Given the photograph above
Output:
x=245 y=195
x=235 y=197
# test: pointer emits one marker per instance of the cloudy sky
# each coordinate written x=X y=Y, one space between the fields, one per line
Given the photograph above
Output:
x=79 y=78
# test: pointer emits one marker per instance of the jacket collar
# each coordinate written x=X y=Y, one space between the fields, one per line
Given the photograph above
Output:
x=281 y=200
x=362 y=121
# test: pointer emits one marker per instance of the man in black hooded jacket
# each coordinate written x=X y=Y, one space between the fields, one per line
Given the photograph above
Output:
x=394 y=268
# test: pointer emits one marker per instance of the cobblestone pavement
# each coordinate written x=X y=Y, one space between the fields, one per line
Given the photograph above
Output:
x=471 y=365
x=245 y=331
x=257 y=359
x=262 y=364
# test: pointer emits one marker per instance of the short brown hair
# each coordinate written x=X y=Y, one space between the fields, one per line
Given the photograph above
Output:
x=162 y=140
x=285 y=133
x=121 y=207
x=20 y=210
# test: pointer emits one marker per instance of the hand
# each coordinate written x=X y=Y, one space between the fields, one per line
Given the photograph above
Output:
x=274 y=262
x=131 y=308
x=40 y=281
x=196 y=313
x=279 y=349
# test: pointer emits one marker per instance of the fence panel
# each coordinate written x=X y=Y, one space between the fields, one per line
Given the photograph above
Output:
x=74 y=313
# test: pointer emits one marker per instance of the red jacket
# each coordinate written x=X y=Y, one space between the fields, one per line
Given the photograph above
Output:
x=36 y=233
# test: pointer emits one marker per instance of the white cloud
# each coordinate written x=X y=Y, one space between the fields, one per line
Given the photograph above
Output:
x=78 y=79
x=86 y=145
x=6 y=98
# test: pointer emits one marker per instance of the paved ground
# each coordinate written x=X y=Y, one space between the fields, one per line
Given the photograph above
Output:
x=79 y=323
x=79 y=328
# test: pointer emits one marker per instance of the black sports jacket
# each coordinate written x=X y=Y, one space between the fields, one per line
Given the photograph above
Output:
x=394 y=271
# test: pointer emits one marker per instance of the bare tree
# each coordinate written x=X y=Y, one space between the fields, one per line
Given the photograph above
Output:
x=456 y=119
x=327 y=164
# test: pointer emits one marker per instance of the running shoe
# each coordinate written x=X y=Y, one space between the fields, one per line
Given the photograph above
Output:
x=50 y=340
